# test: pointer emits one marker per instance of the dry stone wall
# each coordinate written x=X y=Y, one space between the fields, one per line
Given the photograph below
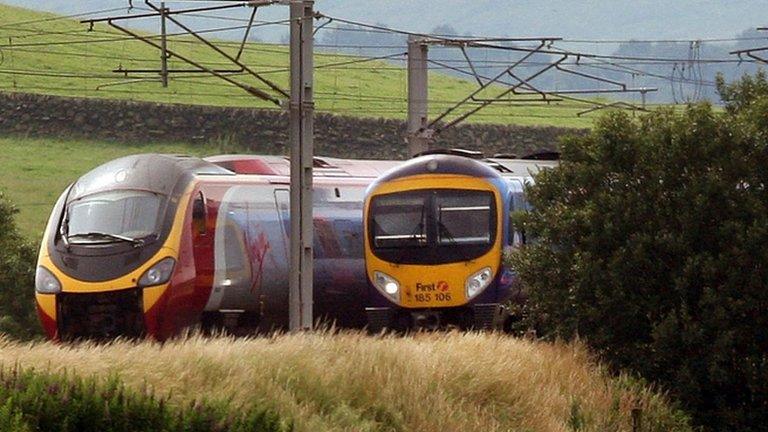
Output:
x=242 y=129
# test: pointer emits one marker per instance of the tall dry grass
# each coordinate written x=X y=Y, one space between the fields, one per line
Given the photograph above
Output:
x=352 y=382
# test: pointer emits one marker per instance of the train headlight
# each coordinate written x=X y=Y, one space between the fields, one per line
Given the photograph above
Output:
x=46 y=282
x=158 y=274
x=478 y=282
x=387 y=284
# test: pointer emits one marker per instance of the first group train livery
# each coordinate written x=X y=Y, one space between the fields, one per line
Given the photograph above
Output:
x=436 y=229
x=149 y=245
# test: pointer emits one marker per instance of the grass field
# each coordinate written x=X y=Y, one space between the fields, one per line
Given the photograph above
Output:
x=34 y=172
x=61 y=57
x=352 y=382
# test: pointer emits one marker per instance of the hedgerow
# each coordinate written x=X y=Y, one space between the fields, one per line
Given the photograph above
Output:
x=652 y=244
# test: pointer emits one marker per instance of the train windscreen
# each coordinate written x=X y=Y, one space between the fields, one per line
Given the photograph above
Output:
x=400 y=220
x=463 y=218
x=432 y=226
x=113 y=215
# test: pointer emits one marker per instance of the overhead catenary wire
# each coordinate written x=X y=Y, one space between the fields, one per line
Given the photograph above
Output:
x=171 y=36
x=486 y=42
x=60 y=17
x=391 y=111
x=628 y=59
x=694 y=59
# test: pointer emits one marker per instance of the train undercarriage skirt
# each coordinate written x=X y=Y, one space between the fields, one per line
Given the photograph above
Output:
x=486 y=316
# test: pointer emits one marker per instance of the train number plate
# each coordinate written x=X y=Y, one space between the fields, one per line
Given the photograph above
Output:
x=438 y=292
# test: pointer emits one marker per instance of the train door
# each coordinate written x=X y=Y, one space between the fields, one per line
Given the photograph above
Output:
x=275 y=281
x=251 y=270
x=233 y=272
x=192 y=283
x=203 y=222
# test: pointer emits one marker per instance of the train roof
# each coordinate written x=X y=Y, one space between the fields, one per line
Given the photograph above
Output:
x=506 y=164
x=441 y=164
x=519 y=167
x=322 y=166
x=366 y=168
x=158 y=173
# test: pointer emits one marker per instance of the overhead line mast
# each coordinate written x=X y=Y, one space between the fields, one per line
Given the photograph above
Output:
x=300 y=107
x=421 y=131
x=301 y=114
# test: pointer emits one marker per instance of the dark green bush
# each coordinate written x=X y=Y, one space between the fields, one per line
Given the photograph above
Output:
x=653 y=247
x=31 y=401
x=17 y=277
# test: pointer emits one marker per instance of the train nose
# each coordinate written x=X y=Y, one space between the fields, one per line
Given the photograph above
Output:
x=426 y=320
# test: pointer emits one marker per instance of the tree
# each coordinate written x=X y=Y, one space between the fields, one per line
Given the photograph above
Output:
x=653 y=247
x=17 y=274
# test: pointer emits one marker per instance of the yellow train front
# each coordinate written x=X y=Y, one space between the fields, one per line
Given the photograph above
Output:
x=435 y=232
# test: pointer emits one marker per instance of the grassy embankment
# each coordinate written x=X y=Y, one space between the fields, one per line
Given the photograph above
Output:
x=31 y=63
x=322 y=382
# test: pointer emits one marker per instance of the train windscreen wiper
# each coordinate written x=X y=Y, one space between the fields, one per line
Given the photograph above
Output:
x=108 y=236
x=445 y=233
x=418 y=228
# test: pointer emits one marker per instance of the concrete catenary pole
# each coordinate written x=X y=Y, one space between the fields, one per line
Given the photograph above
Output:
x=301 y=113
x=418 y=107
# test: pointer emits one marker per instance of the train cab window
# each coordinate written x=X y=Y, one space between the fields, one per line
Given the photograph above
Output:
x=199 y=214
x=399 y=220
x=463 y=217
x=112 y=215
x=432 y=226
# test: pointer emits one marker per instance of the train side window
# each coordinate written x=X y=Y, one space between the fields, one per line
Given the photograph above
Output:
x=199 y=214
x=351 y=239
x=235 y=251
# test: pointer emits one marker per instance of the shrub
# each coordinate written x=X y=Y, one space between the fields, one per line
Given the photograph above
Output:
x=17 y=274
x=653 y=246
x=52 y=403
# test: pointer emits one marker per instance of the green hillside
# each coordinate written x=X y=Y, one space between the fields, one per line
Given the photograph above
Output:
x=42 y=53
x=34 y=172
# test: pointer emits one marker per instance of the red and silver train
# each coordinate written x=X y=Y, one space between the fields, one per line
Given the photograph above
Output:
x=150 y=244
